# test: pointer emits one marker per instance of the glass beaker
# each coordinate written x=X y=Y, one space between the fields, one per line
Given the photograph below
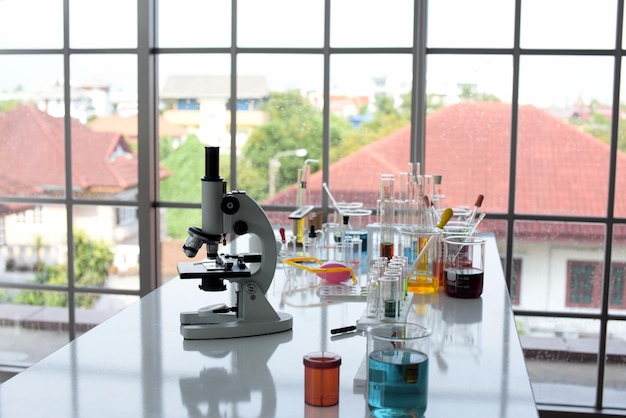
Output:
x=397 y=371
x=464 y=266
x=422 y=278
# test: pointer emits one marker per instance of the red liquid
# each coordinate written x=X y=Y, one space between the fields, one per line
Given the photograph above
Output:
x=464 y=283
x=386 y=250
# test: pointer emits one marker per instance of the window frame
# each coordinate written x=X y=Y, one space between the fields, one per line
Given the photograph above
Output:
x=149 y=205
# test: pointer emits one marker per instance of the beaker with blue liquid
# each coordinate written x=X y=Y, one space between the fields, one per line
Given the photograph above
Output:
x=397 y=372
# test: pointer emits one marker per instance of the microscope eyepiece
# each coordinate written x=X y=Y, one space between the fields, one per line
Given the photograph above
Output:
x=212 y=163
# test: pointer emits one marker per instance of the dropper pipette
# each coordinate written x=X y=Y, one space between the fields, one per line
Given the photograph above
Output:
x=477 y=205
x=472 y=230
x=431 y=207
x=445 y=217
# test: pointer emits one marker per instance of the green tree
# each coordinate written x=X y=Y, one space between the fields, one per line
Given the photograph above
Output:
x=93 y=258
x=187 y=166
x=293 y=123
x=387 y=118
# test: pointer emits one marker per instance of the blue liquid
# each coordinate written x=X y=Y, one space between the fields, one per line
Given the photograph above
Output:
x=398 y=383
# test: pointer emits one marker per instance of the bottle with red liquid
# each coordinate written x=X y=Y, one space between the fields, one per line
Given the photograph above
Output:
x=321 y=378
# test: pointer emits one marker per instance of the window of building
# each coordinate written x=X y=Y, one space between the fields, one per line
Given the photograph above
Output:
x=582 y=289
x=617 y=291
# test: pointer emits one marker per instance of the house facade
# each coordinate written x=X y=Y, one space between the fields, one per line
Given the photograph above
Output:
x=201 y=104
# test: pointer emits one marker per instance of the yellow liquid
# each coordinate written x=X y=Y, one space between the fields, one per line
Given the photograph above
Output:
x=421 y=284
x=422 y=263
x=300 y=227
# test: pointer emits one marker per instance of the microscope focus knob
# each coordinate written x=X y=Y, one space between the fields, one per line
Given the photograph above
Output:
x=230 y=205
x=240 y=228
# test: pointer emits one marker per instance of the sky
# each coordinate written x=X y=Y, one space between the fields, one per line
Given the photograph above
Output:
x=545 y=81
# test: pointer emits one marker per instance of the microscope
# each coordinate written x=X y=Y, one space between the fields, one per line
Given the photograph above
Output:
x=225 y=213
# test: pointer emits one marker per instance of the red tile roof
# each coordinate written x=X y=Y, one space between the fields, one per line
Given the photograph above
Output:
x=560 y=169
x=33 y=148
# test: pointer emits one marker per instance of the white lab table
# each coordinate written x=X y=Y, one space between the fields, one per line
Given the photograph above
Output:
x=137 y=364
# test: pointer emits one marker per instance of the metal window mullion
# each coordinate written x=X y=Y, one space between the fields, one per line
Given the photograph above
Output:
x=69 y=204
x=233 y=95
x=510 y=217
x=418 y=90
x=608 y=247
x=326 y=109
x=148 y=165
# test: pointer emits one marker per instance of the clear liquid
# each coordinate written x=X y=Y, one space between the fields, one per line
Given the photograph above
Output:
x=397 y=383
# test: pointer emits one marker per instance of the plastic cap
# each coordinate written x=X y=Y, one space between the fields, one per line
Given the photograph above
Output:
x=322 y=360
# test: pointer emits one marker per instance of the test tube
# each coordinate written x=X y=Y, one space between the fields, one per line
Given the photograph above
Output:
x=373 y=276
x=387 y=216
x=438 y=195
x=354 y=255
x=390 y=293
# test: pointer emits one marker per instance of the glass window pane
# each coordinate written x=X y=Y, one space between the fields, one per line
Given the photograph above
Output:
x=280 y=23
x=279 y=119
x=32 y=78
x=561 y=358
x=106 y=24
x=194 y=97
x=615 y=372
x=31 y=24
x=103 y=84
x=33 y=246
x=194 y=23
x=561 y=265
x=37 y=138
x=557 y=24
x=106 y=246
x=562 y=153
x=370 y=23
x=472 y=153
x=564 y=81
x=617 y=285
x=30 y=330
x=174 y=225
x=459 y=23
x=104 y=159
x=372 y=94
x=620 y=176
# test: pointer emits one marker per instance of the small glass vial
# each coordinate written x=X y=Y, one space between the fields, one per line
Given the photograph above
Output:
x=390 y=294
x=321 y=378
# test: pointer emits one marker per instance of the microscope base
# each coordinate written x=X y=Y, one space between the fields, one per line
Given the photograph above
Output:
x=236 y=328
